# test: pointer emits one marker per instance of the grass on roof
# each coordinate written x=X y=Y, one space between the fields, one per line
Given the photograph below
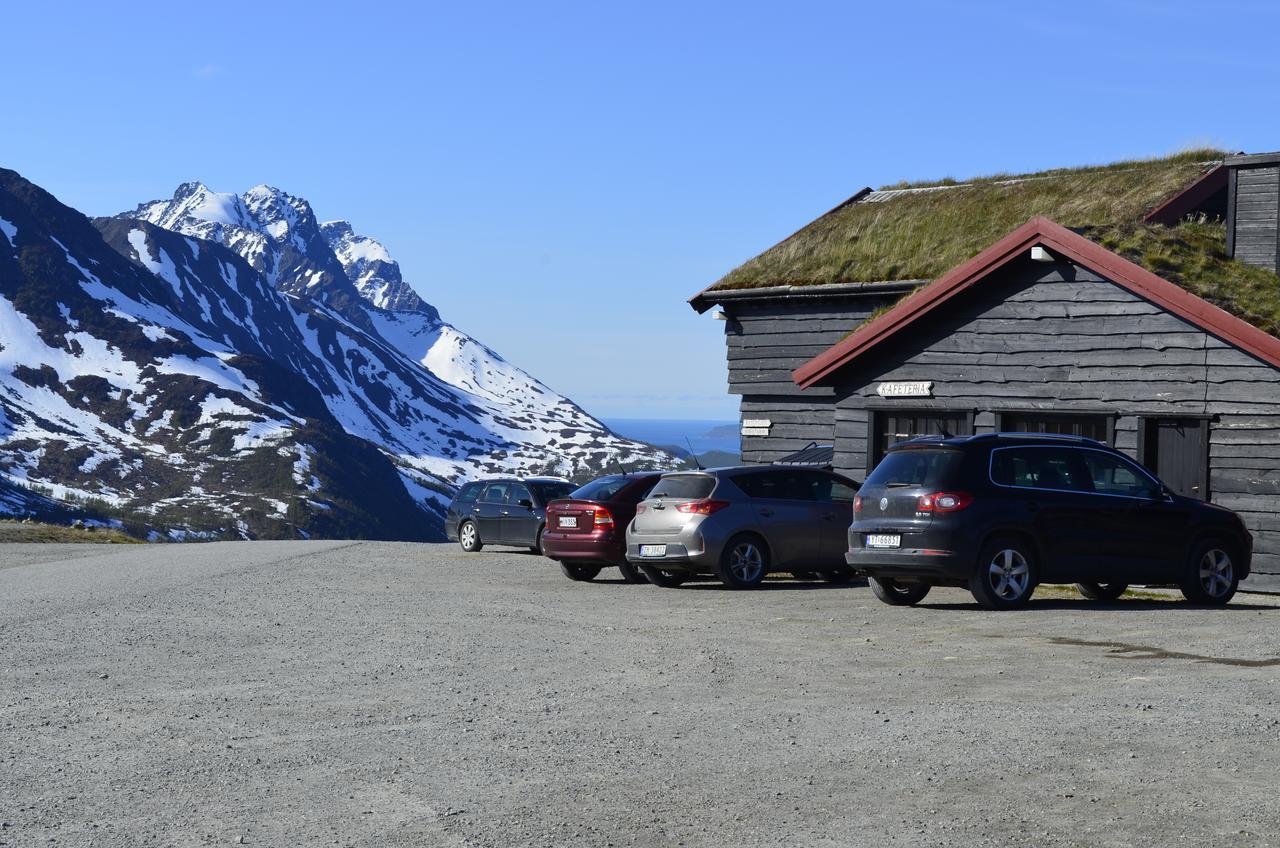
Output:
x=1193 y=255
x=920 y=236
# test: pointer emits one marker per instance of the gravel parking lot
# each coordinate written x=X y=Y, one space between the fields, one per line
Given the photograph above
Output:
x=337 y=693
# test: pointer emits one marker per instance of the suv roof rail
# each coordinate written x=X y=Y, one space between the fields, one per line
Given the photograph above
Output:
x=1060 y=437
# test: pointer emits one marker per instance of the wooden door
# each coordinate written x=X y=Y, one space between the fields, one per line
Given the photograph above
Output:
x=1177 y=450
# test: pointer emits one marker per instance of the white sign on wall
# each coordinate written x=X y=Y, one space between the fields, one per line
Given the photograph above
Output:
x=913 y=388
x=756 y=426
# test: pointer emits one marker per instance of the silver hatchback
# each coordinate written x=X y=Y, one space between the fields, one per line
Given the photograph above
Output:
x=739 y=524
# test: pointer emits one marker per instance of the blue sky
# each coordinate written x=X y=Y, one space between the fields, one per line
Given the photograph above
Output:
x=558 y=178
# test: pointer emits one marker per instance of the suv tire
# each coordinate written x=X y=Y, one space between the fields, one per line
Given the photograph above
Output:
x=1005 y=575
x=630 y=573
x=469 y=537
x=897 y=594
x=580 y=573
x=1102 y=591
x=1211 y=576
x=665 y=579
x=743 y=563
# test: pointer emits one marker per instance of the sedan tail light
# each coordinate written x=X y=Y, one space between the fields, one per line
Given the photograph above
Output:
x=701 y=507
x=943 y=502
x=604 y=518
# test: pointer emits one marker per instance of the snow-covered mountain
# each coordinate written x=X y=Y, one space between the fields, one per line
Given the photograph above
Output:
x=220 y=362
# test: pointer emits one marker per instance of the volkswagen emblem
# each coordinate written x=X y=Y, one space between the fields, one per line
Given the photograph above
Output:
x=884 y=504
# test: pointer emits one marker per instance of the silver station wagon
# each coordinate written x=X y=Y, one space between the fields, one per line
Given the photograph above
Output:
x=739 y=524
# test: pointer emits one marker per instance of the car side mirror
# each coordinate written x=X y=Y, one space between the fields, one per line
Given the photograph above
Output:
x=526 y=503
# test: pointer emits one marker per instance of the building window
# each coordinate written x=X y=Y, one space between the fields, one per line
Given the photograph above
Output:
x=888 y=427
x=1097 y=427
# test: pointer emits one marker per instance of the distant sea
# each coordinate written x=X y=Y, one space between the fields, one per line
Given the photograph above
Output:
x=703 y=434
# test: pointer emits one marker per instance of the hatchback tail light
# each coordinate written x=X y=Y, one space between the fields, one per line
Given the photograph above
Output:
x=943 y=502
x=640 y=507
x=603 y=518
x=857 y=503
x=701 y=507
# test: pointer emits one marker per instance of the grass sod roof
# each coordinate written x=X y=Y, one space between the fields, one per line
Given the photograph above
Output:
x=922 y=234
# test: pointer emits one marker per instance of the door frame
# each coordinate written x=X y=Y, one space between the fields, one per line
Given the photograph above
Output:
x=1146 y=423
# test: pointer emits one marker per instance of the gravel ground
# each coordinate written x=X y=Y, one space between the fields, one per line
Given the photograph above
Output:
x=376 y=694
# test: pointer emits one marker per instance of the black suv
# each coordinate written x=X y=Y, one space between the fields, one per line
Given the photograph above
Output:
x=502 y=511
x=999 y=513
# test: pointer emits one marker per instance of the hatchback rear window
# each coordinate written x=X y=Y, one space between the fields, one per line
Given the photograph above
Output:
x=684 y=486
x=600 y=490
x=915 y=467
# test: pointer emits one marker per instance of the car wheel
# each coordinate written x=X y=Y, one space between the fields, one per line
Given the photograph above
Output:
x=630 y=573
x=537 y=544
x=1211 y=577
x=665 y=579
x=743 y=563
x=1102 y=591
x=469 y=537
x=897 y=594
x=838 y=576
x=1005 y=576
x=580 y=573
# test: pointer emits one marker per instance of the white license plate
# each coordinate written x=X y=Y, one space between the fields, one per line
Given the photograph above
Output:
x=653 y=550
x=568 y=521
x=884 y=540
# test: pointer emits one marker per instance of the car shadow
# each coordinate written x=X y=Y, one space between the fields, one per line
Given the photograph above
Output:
x=1102 y=606
x=779 y=586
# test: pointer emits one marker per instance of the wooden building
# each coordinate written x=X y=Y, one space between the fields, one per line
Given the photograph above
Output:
x=1147 y=324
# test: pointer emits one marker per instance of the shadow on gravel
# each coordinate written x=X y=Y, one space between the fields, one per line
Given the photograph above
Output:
x=1081 y=605
x=1123 y=650
x=781 y=586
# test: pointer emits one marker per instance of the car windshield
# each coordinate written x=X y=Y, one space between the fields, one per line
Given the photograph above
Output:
x=915 y=467
x=550 y=491
x=600 y=490
x=684 y=486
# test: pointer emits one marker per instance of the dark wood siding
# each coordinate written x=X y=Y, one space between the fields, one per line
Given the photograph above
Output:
x=1256 y=202
x=1060 y=338
x=765 y=341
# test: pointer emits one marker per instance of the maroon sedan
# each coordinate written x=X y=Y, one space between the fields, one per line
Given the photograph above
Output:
x=587 y=531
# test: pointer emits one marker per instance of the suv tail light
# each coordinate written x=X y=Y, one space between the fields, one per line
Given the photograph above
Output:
x=603 y=518
x=701 y=507
x=943 y=502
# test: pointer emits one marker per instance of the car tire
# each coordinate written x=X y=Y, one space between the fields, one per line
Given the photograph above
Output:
x=897 y=594
x=469 y=537
x=1211 y=575
x=537 y=543
x=838 y=576
x=580 y=573
x=665 y=579
x=630 y=573
x=1005 y=574
x=743 y=563
x=1102 y=591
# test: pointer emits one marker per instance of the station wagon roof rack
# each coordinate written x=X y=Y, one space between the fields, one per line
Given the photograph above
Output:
x=1057 y=437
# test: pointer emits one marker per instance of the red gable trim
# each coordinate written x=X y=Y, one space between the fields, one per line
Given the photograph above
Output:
x=1189 y=199
x=1041 y=231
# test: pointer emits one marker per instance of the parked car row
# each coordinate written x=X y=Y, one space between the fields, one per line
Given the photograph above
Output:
x=996 y=513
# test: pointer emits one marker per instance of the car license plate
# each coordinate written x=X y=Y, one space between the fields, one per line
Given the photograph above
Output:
x=653 y=550
x=568 y=521
x=883 y=540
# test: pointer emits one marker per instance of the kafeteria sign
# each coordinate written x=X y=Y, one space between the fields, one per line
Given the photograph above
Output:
x=913 y=388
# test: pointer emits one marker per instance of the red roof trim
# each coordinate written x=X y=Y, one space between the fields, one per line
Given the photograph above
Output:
x=1077 y=248
x=1189 y=199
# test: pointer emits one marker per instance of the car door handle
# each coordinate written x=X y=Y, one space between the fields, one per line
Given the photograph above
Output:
x=504 y=512
x=830 y=516
x=766 y=512
x=475 y=509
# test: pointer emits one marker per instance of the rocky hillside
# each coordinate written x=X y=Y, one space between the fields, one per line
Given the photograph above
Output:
x=220 y=364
